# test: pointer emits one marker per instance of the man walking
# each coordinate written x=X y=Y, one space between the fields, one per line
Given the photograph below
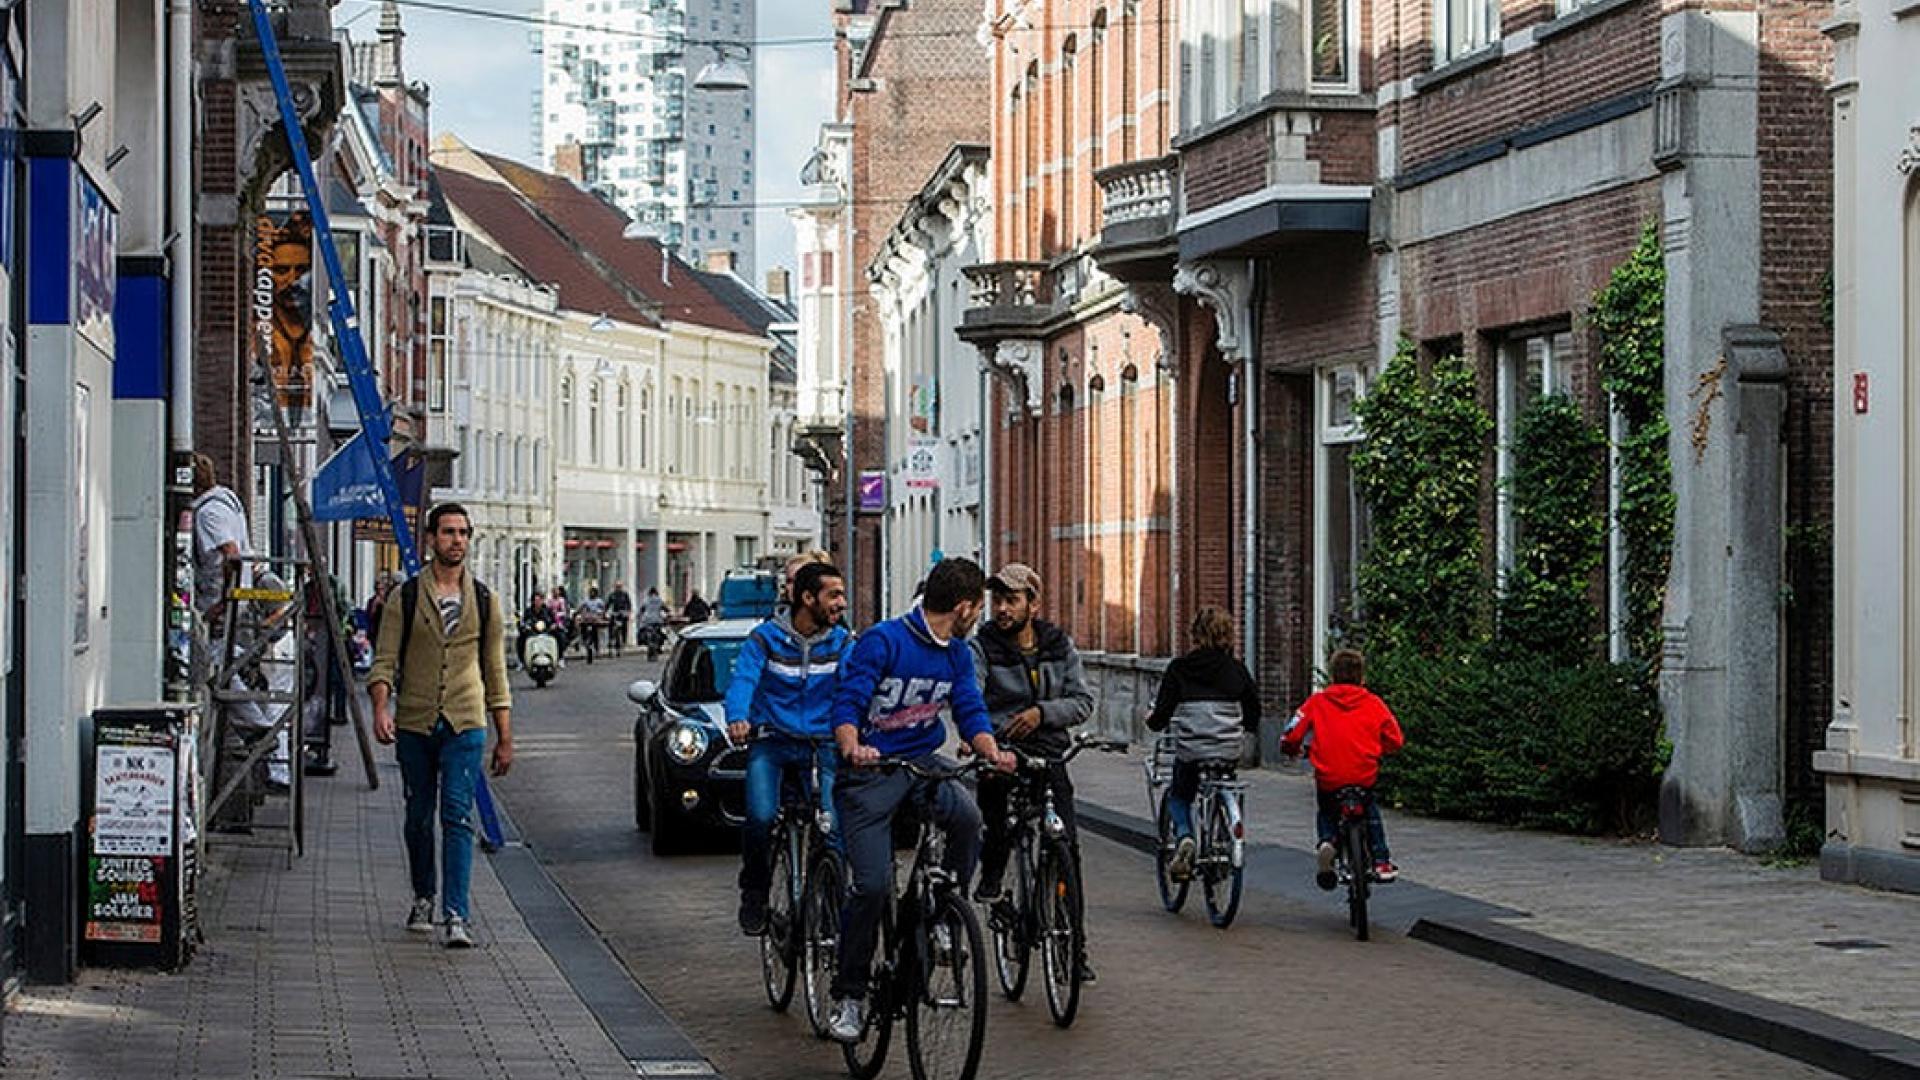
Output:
x=1036 y=692
x=783 y=682
x=442 y=646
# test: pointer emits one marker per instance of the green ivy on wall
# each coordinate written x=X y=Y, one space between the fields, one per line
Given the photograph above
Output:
x=1419 y=471
x=1629 y=315
x=1560 y=533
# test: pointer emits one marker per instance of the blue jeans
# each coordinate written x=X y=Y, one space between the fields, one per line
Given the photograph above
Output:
x=1326 y=822
x=439 y=771
x=866 y=800
x=770 y=760
x=1180 y=792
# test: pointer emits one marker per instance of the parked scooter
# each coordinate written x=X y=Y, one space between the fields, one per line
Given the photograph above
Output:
x=539 y=652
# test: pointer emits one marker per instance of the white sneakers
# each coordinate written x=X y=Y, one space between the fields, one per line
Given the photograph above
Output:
x=458 y=936
x=420 y=916
x=1181 y=866
x=849 y=1020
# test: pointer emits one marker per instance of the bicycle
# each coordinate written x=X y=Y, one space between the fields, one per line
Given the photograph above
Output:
x=1044 y=905
x=1220 y=847
x=1353 y=854
x=802 y=827
x=929 y=968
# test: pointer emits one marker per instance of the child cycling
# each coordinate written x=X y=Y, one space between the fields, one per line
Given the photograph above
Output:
x=1351 y=730
x=1208 y=699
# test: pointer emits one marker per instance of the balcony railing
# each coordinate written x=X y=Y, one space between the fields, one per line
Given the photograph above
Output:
x=1009 y=285
x=1140 y=205
x=1138 y=191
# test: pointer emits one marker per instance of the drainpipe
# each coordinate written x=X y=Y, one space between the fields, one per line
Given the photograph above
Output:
x=1250 y=470
x=1172 y=402
x=180 y=254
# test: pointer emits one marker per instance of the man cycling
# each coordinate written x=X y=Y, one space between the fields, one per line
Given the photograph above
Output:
x=901 y=676
x=782 y=682
x=1036 y=691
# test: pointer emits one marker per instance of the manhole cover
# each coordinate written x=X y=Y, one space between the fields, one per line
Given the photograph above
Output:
x=1851 y=945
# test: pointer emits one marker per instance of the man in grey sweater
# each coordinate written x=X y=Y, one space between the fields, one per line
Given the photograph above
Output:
x=1036 y=692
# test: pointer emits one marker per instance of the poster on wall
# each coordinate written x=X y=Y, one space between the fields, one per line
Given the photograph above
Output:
x=94 y=270
x=282 y=302
x=923 y=463
x=133 y=800
x=83 y=506
x=873 y=492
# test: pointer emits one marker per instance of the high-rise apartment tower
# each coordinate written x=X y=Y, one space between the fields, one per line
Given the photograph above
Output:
x=618 y=110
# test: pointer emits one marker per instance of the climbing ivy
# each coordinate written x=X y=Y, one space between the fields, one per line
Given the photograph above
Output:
x=1629 y=315
x=1421 y=581
x=1560 y=532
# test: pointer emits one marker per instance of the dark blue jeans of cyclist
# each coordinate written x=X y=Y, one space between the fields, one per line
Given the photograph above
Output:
x=867 y=800
x=1327 y=823
x=771 y=758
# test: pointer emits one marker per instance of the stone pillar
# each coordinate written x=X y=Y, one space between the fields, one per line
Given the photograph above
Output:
x=1725 y=394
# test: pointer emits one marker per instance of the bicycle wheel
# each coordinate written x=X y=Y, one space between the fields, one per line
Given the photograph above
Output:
x=1173 y=894
x=820 y=947
x=866 y=1057
x=1058 y=934
x=1355 y=844
x=1221 y=879
x=947 y=1012
x=777 y=945
x=1010 y=919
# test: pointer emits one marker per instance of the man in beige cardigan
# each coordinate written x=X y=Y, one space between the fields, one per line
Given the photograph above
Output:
x=450 y=668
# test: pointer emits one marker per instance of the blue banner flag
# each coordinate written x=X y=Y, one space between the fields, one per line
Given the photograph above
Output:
x=345 y=487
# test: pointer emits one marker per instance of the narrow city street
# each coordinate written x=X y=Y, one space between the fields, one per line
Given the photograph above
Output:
x=1284 y=992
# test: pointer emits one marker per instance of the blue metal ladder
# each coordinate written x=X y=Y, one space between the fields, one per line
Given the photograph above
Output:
x=352 y=349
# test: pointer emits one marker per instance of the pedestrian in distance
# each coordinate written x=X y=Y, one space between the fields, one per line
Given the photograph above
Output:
x=1210 y=701
x=697 y=610
x=619 y=616
x=783 y=684
x=1345 y=729
x=902 y=677
x=1035 y=687
x=440 y=674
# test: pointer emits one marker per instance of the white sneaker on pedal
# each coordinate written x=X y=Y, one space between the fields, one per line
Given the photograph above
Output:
x=1323 y=874
x=420 y=916
x=941 y=943
x=849 y=1020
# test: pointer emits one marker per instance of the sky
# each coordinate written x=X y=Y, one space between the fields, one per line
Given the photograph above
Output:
x=483 y=74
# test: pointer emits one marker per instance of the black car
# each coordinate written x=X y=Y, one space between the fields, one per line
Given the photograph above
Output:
x=689 y=780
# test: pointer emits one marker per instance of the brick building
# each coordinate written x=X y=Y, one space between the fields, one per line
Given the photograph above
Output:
x=909 y=88
x=1465 y=175
x=1082 y=412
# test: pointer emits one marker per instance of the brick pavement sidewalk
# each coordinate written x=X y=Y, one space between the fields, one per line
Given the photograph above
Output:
x=1710 y=914
x=309 y=972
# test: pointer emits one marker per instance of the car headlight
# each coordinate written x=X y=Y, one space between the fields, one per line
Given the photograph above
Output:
x=686 y=742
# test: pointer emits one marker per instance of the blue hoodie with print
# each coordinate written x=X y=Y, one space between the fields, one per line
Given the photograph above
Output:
x=897 y=682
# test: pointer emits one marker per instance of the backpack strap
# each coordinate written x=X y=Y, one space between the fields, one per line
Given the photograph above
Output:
x=409 y=607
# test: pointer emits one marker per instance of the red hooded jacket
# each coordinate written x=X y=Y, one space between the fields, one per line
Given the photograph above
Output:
x=1352 y=730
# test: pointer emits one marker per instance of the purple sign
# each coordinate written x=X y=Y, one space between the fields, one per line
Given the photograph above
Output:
x=873 y=492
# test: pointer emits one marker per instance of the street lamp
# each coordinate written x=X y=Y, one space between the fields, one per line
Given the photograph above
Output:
x=725 y=74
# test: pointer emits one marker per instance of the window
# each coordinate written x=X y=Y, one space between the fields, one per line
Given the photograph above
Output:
x=1530 y=368
x=1096 y=93
x=1330 y=44
x=1461 y=27
x=646 y=427
x=1340 y=517
x=462 y=465
x=1069 y=72
x=538 y=485
x=593 y=422
x=621 y=425
x=567 y=446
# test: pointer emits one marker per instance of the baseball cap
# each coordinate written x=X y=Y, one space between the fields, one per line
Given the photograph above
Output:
x=1016 y=577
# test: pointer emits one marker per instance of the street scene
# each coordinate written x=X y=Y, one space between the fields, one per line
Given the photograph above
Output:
x=959 y=538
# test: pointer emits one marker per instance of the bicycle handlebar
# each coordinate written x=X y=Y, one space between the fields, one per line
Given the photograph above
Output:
x=1029 y=760
x=967 y=768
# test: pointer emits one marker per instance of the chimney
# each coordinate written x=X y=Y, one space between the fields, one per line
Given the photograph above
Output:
x=780 y=284
x=387 y=65
x=721 y=261
x=570 y=161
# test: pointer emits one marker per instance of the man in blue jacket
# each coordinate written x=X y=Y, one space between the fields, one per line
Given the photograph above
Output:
x=783 y=681
x=901 y=677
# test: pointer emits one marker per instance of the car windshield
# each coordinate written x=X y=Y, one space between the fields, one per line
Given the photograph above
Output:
x=701 y=669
